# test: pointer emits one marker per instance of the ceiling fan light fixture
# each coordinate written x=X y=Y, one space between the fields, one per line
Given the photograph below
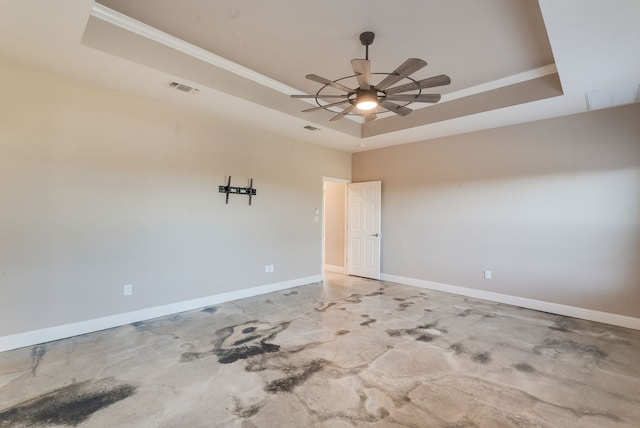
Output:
x=366 y=100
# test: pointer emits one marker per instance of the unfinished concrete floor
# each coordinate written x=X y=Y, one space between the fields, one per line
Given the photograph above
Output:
x=346 y=352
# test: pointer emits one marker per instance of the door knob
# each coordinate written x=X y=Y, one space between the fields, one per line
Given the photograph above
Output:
x=376 y=235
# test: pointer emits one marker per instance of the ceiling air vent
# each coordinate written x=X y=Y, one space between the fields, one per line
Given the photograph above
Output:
x=182 y=87
x=613 y=97
x=311 y=128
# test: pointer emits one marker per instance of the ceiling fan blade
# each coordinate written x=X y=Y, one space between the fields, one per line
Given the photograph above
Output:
x=319 y=96
x=331 y=83
x=369 y=117
x=408 y=67
x=343 y=113
x=416 y=98
x=397 y=109
x=362 y=69
x=429 y=82
x=325 y=106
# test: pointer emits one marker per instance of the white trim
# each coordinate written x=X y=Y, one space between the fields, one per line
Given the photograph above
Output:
x=525 y=76
x=333 y=268
x=126 y=22
x=34 y=337
x=336 y=180
x=538 y=305
x=324 y=216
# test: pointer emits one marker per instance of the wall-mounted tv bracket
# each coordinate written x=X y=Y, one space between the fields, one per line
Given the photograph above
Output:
x=237 y=190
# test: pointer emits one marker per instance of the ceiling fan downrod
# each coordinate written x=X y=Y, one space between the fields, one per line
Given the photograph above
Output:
x=366 y=39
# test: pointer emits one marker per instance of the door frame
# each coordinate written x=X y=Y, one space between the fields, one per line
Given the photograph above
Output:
x=324 y=207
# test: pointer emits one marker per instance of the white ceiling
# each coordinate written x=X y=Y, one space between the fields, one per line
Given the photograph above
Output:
x=489 y=48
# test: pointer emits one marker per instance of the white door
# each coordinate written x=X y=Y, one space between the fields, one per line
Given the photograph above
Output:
x=363 y=233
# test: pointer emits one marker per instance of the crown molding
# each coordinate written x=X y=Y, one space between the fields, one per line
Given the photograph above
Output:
x=499 y=83
x=127 y=23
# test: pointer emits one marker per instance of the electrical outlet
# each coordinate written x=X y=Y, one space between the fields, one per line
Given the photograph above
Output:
x=128 y=290
x=487 y=274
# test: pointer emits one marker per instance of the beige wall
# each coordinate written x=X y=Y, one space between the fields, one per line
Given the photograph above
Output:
x=551 y=207
x=335 y=198
x=101 y=189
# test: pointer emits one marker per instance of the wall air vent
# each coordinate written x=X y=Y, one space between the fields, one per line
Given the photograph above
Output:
x=184 y=88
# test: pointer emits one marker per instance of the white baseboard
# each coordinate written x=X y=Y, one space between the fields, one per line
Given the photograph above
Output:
x=35 y=337
x=539 y=305
x=332 y=268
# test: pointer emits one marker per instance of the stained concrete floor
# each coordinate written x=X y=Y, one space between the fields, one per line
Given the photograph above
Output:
x=349 y=352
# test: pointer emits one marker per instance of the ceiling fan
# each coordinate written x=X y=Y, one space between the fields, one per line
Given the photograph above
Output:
x=369 y=100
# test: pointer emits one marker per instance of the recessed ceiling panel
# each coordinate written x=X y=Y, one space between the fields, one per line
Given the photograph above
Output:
x=471 y=41
x=482 y=46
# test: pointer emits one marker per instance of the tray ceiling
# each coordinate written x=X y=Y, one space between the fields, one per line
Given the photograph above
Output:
x=496 y=52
